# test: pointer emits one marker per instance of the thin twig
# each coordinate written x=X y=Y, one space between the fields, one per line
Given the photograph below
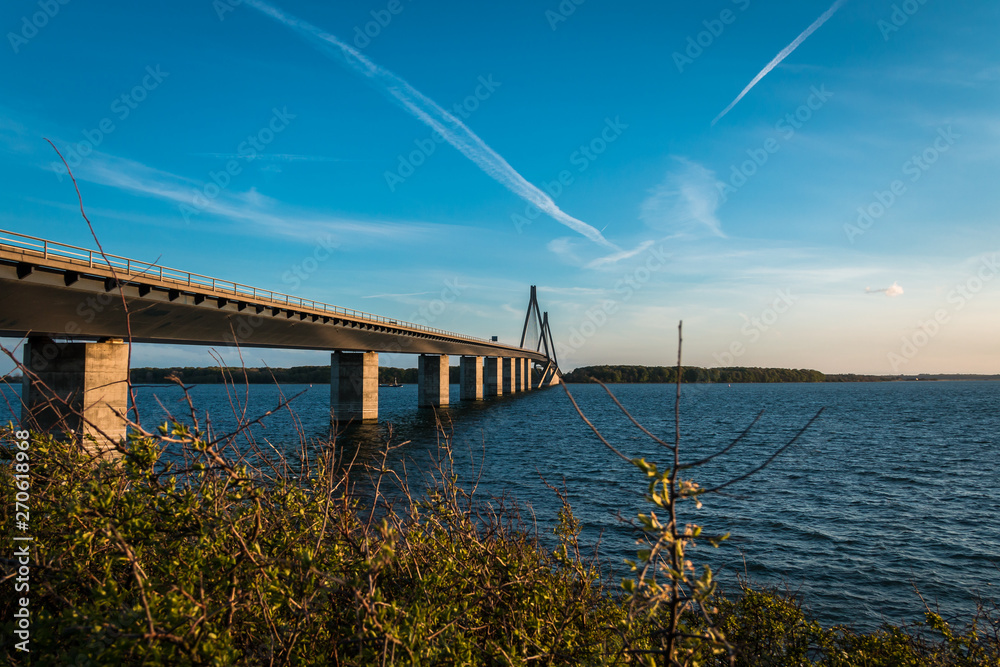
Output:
x=773 y=456
x=731 y=445
x=114 y=275
x=592 y=427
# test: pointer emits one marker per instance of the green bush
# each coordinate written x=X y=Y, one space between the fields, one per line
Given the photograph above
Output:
x=178 y=551
x=207 y=561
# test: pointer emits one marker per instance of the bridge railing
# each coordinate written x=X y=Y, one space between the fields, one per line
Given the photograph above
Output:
x=138 y=269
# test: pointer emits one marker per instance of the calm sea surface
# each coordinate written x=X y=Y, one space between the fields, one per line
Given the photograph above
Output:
x=896 y=484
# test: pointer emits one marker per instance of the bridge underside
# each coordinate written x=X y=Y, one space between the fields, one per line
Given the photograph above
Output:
x=66 y=304
x=79 y=386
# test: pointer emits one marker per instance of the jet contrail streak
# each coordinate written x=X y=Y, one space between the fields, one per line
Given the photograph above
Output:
x=431 y=114
x=787 y=51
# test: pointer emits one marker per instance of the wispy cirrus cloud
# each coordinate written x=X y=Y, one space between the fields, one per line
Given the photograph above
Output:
x=279 y=157
x=394 y=296
x=686 y=202
x=785 y=52
x=616 y=257
x=429 y=112
x=269 y=216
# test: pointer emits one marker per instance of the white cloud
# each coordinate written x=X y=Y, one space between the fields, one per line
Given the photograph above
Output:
x=394 y=296
x=785 y=52
x=891 y=291
x=267 y=215
x=563 y=248
x=429 y=112
x=277 y=157
x=619 y=256
x=686 y=201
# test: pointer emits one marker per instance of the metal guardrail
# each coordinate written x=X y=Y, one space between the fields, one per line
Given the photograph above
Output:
x=136 y=268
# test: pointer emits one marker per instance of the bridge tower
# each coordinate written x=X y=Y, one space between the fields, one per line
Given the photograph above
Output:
x=549 y=373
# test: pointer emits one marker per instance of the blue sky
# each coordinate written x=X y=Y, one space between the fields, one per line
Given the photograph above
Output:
x=841 y=216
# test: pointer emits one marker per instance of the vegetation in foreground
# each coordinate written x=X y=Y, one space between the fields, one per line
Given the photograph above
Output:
x=182 y=548
x=211 y=560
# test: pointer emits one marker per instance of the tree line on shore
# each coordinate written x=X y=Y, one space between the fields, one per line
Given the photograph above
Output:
x=693 y=374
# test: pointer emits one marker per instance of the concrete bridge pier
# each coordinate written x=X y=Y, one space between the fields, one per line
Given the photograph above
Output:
x=354 y=387
x=494 y=377
x=78 y=388
x=471 y=378
x=521 y=377
x=432 y=381
x=508 y=375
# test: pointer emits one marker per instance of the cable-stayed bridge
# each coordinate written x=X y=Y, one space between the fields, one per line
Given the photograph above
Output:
x=78 y=307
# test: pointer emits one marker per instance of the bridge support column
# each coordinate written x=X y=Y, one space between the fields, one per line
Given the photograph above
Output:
x=471 y=378
x=494 y=377
x=508 y=375
x=432 y=381
x=549 y=376
x=354 y=387
x=76 y=387
x=521 y=380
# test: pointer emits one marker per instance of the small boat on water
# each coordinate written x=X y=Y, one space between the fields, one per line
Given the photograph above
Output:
x=395 y=383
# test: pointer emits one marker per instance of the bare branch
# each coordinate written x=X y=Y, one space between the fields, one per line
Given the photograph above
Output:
x=592 y=427
x=773 y=456
x=738 y=438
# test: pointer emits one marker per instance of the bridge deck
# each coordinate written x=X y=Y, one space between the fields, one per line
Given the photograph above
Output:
x=58 y=290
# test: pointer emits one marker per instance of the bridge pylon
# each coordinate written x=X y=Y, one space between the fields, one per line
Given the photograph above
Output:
x=549 y=373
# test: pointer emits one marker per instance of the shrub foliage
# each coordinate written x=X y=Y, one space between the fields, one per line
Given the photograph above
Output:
x=181 y=550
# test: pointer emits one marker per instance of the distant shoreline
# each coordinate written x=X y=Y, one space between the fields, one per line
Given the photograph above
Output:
x=628 y=374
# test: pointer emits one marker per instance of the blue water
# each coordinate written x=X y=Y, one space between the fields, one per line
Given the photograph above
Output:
x=895 y=485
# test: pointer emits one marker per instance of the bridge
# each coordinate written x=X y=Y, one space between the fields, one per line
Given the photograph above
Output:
x=77 y=307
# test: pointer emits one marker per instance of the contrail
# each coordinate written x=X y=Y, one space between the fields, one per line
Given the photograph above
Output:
x=787 y=51
x=431 y=114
